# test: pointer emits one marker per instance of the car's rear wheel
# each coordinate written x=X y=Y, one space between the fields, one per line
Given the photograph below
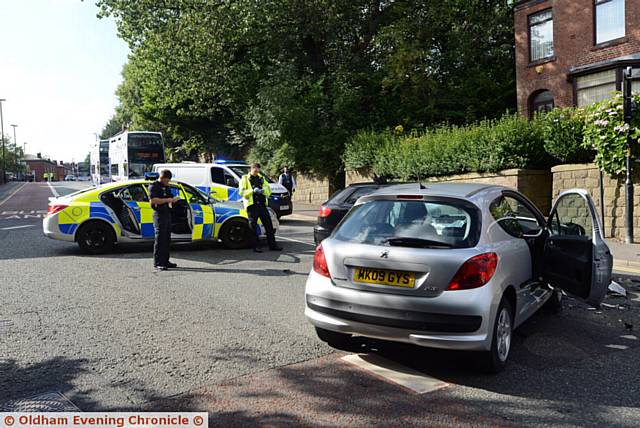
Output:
x=236 y=234
x=333 y=338
x=95 y=238
x=495 y=360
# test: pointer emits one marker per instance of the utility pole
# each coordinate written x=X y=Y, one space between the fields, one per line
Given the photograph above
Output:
x=629 y=108
x=15 y=147
x=4 y=163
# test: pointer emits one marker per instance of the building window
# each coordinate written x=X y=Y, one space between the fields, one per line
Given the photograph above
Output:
x=541 y=102
x=595 y=87
x=609 y=20
x=541 y=35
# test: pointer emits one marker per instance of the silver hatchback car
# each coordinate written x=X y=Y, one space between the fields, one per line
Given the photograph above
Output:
x=454 y=266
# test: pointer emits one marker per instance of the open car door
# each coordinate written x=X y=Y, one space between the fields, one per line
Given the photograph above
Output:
x=202 y=214
x=576 y=257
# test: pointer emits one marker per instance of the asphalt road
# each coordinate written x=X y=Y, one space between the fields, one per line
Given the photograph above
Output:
x=226 y=334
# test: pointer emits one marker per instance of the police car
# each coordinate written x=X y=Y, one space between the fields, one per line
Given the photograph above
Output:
x=221 y=180
x=99 y=217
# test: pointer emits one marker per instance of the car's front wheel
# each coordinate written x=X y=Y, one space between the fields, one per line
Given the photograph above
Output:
x=495 y=360
x=95 y=238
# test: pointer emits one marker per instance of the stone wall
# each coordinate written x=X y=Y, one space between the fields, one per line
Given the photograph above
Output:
x=587 y=176
x=535 y=184
x=311 y=190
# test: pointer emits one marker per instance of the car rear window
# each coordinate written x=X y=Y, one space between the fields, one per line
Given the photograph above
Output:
x=358 y=192
x=438 y=223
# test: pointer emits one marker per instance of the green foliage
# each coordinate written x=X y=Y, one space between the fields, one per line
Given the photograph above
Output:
x=606 y=132
x=14 y=155
x=563 y=131
x=490 y=145
x=293 y=81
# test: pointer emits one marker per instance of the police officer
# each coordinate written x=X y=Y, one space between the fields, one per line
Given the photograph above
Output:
x=161 y=201
x=287 y=180
x=255 y=190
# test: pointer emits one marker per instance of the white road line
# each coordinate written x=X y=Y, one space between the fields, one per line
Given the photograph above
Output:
x=295 y=240
x=53 y=190
x=13 y=193
x=17 y=227
x=395 y=373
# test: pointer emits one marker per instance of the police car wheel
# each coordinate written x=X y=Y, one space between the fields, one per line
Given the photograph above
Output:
x=236 y=234
x=95 y=238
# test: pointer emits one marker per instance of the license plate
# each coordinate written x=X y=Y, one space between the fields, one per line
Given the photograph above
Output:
x=391 y=278
x=284 y=207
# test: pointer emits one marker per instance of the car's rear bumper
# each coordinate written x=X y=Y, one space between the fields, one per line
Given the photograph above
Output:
x=51 y=229
x=448 y=321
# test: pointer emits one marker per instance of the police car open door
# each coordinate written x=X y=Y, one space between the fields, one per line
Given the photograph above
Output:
x=202 y=214
x=576 y=257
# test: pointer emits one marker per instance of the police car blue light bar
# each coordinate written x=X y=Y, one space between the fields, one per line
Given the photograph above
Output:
x=224 y=161
x=151 y=175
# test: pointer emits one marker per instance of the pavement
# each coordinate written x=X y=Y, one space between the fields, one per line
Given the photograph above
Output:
x=226 y=334
x=626 y=257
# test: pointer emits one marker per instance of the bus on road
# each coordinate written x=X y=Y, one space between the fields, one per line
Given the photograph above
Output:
x=133 y=153
x=99 y=158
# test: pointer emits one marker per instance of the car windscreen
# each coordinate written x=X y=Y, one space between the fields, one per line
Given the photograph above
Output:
x=437 y=223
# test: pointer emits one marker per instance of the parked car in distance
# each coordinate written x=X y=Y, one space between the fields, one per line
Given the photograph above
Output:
x=338 y=205
x=70 y=177
x=454 y=266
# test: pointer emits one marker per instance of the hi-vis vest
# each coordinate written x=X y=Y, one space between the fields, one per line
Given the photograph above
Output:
x=247 y=192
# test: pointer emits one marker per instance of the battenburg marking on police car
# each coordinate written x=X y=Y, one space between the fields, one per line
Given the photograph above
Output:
x=109 y=419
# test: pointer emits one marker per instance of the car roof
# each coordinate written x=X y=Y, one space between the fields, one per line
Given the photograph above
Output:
x=460 y=190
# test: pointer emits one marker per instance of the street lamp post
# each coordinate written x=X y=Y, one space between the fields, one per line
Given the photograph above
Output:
x=4 y=163
x=15 y=146
x=629 y=108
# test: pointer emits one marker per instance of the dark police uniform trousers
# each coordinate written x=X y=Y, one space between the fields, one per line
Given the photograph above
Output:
x=161 y=224
x=258 y=210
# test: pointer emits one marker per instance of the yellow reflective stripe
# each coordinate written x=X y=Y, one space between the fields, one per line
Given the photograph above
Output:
x=220 y=193
x=207 y=214
x=197 y=232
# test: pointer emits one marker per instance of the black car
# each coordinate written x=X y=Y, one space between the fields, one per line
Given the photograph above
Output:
x=338 y=205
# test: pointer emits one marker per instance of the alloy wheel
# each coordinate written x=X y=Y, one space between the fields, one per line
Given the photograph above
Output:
x=503 y=334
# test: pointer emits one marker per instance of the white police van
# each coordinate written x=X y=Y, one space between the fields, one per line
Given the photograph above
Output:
x=221 y=180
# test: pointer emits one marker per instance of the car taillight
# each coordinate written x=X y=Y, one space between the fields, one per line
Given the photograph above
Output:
x=320 y=262
x=53 y=209
x=325 y=211
x=475 y=272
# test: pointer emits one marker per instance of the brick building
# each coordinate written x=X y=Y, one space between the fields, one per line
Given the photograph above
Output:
x=573 y=52
x=38 y=166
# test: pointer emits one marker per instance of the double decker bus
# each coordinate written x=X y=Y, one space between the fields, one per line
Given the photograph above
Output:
x=99 y=158
x=133 y=153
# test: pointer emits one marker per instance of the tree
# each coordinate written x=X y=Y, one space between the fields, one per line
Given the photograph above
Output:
x=294 y=80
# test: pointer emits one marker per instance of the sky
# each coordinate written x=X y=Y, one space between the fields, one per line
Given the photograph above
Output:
x=59 y=68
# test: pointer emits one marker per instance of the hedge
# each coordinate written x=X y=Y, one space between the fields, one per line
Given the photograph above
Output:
x=488 y=146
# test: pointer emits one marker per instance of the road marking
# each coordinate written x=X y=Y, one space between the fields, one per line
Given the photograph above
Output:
x=295 y=240
x=395 y=373
x=17 y=227
x=11 y=195
x=53 y=190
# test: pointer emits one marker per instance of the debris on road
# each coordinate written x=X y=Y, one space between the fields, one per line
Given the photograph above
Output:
x=616 y=288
